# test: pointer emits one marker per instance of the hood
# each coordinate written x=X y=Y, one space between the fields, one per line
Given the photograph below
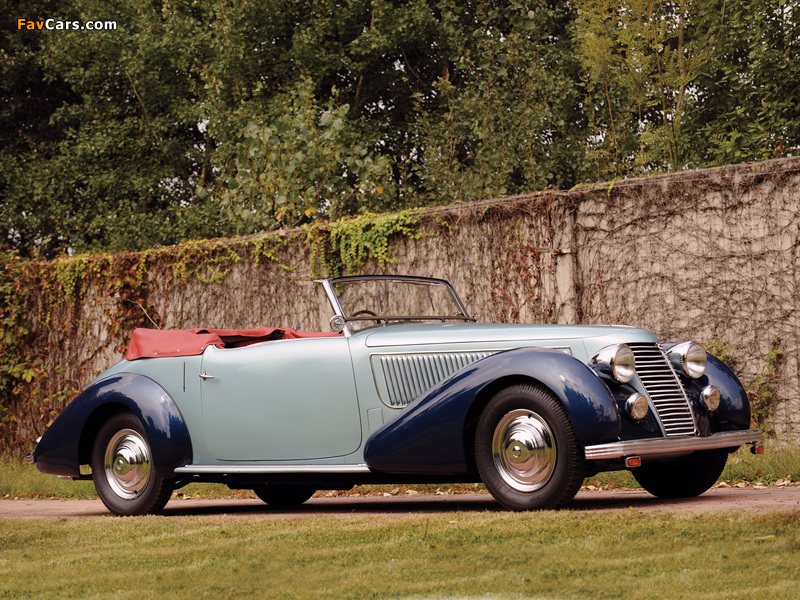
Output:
x=455 y=333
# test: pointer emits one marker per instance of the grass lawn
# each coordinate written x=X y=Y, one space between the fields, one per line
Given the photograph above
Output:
x=476 y=554
x=553 y=555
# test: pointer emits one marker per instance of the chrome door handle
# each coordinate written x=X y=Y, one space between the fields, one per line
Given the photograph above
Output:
x=203 y=376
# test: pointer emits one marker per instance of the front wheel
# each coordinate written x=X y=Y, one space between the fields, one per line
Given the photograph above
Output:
x=123 y=470
x=684 y=477
x=526 y=450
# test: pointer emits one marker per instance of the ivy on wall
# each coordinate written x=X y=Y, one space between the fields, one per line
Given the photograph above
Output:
x=762 y=392
x=18 y=364
x=521 y=273
x=45 y=304
x=342 y=247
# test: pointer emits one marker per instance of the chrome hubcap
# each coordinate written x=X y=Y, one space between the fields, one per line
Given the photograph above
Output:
x=524 y=450
x=127 y=464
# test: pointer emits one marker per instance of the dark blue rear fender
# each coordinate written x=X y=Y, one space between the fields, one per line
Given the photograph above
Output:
x=67 y=443
x=429 y=436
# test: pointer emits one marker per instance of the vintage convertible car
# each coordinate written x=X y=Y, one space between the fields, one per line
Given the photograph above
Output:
x=406 y=389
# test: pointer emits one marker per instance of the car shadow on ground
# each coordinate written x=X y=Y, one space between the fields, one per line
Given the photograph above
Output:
x=585 y=501
x=771 y=499
x=768 y=499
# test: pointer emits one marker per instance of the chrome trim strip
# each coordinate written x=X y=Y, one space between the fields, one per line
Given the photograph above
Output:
x=656 y=446
x=274 y=469
x=530 y=345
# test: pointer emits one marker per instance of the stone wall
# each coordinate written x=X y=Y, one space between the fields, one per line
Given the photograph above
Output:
x=710 y=255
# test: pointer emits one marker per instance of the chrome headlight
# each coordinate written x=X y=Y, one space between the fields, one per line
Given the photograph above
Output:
x=689 y=357
x=711 y=397
x=637 y=407
x=617 y=361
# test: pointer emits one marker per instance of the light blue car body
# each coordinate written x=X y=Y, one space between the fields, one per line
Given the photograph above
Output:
x=318 y=400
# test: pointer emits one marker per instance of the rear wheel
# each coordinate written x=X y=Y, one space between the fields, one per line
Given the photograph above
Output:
x=123 y=470
x=683 y=477
x=526 y=450
x=283 y=496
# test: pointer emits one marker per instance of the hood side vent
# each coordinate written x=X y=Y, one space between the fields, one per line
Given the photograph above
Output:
x=409 y=376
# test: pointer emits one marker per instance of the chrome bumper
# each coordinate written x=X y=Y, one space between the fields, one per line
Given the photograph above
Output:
x=656 y=446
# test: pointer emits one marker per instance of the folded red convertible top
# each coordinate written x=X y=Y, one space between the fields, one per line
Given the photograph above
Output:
x=153 y=343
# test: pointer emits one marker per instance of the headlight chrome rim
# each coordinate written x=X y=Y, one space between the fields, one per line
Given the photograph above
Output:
x=637 y=407
x=690 y=358
x=711 y=398
x=616 y=360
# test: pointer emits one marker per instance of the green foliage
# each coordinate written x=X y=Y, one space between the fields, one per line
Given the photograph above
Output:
x=216 y=119
x=301 y=161
x=761 y=391
x=723 y=351
x=342 y=247
x=503 y=117
x=745 y=106
x=687 y=84
x=15 y=364
x=641 y=62
x=18 y=364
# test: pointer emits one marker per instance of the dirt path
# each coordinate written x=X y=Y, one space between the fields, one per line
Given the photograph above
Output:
x=772 y=499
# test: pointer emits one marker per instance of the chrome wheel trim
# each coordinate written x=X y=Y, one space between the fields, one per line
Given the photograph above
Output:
x=524 y=450
x=127 y=464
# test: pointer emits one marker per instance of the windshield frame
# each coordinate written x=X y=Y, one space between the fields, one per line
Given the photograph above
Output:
x=340 y=322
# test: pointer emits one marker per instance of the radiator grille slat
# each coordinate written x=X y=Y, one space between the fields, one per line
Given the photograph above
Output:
x=664 y=388
x=408 y=376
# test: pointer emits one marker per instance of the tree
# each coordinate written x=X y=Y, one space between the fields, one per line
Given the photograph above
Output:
x=218 y=118
x=746 y=106
x=689 y=83
x=642 y=60
x=505 y=117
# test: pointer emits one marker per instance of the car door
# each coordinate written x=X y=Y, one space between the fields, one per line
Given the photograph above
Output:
x=281 y=400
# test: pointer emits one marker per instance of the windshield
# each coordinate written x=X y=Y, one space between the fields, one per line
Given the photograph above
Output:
x=381 y=299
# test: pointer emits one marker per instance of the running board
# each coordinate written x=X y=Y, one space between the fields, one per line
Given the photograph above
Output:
x=256 y=469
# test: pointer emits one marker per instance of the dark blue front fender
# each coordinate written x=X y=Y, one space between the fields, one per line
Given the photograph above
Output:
x=734 y=408
x=429 y=436
x=67 y=443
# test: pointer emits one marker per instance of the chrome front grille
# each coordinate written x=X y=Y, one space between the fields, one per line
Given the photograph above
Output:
x=408 y=376
x=664 y=388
